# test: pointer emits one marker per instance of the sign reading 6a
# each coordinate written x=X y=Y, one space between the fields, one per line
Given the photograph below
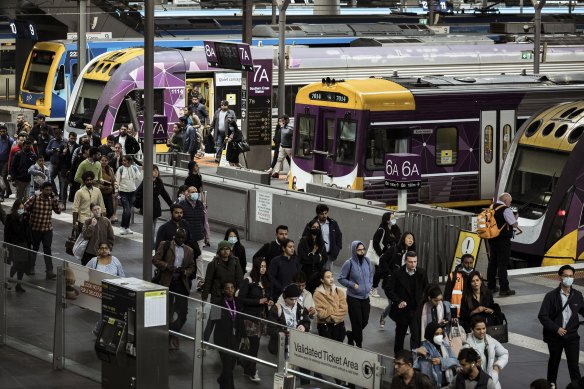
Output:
x=402 y=170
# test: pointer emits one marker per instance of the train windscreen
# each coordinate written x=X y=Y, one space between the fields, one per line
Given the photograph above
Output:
x=533 y=179
x=87 y=99
x=38 y=70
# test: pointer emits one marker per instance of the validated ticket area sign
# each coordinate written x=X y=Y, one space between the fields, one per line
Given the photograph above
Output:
x=402 y=171
x=334 y=359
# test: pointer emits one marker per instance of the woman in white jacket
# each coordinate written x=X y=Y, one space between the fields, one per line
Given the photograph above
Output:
x=128 y=177
x=494 y=356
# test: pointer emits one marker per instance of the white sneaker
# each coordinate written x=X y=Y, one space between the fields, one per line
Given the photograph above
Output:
x=373 y=293
x=255 y=377
x=269 y=171
x=126 y=231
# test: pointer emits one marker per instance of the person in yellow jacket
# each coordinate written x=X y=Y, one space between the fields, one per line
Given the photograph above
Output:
x=456 y=281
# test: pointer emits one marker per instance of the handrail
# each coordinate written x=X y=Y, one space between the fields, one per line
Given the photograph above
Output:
x=237 y=353
x=31 y=285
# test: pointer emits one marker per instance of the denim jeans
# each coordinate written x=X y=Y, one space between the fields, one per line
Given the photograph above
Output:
x=46 y=238
x=127 y=201
x=219 y=140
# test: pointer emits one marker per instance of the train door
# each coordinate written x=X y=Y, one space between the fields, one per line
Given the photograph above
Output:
x=324 y=143
x=497 y=131
x=204 y=86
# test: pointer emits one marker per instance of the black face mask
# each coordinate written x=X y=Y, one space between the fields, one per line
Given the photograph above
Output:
x=314 y=231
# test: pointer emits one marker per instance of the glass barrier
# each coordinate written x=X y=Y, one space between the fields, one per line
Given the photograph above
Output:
x=223 y=354
x=224 y=328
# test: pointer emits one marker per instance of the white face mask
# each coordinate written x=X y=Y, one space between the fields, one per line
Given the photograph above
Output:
x=438 y=339
x=567 y=281
x=393 y=222
x=232 y=240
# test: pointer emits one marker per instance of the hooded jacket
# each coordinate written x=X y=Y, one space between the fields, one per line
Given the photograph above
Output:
x=356 y=272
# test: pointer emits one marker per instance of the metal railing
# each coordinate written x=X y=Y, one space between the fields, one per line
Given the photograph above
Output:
x=54 y=319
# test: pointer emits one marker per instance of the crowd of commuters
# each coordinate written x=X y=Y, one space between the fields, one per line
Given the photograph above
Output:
x=285 y=285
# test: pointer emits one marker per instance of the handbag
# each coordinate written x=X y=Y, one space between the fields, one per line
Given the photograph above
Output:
x=70 y=242
x=457 y=337
x=371 y=254
x=79 y=247
x=243 y=146
x=499 y=332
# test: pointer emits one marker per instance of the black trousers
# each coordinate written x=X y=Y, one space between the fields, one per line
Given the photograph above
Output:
x=249 y=367
x=498 y=263
x=332 y=331
x=179 y=305
x=46 y=238
x=225 y=380
x=571 y=348
x=359 y=316
x=403 y=319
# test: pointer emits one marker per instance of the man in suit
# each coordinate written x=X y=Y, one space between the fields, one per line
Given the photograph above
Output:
x=559 y=316
x=220 y=125
x=406 y=290
x=176 y=262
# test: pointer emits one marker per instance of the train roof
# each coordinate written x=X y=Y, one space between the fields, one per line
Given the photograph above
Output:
x=365 y=94
x=511 y=81
x=557 y=128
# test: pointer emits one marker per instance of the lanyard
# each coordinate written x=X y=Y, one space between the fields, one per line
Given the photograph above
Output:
x=232 y=312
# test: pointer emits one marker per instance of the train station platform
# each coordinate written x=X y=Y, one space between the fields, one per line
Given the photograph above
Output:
x=28 y=312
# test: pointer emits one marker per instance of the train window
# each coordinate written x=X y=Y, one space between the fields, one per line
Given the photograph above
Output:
x=575 y=134
x=576 y=113
x=567 y=112
x=346 y=142
x=558 y=224
x=533 y=127
x=507 y=134
x=98 y=68
x=380 y=142
x=548 y=129
x=105 y=68
x=446 y=146
x=304 y=137
x=87 y=101
x=75 y=71
x=91 y=67
x=488 y=142
x=561 y=131
x=113 y=69
x=533 y=179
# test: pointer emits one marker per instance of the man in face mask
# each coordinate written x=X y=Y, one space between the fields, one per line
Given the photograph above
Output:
x=195 y=213
x=456 y=283
x=168 y=229
x=559 y=316
x=5 y=145
x=175 y=261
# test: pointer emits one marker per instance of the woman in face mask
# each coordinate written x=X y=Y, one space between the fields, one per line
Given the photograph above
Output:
x=18 y=241
x=386 y=236
x=237 y=249
x=312 y=254
x=435 y=357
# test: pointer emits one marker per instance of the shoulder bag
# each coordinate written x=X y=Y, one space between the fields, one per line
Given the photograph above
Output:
x=243 y=146
x=499 y=329
x=371 y=254
x=79 y=247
